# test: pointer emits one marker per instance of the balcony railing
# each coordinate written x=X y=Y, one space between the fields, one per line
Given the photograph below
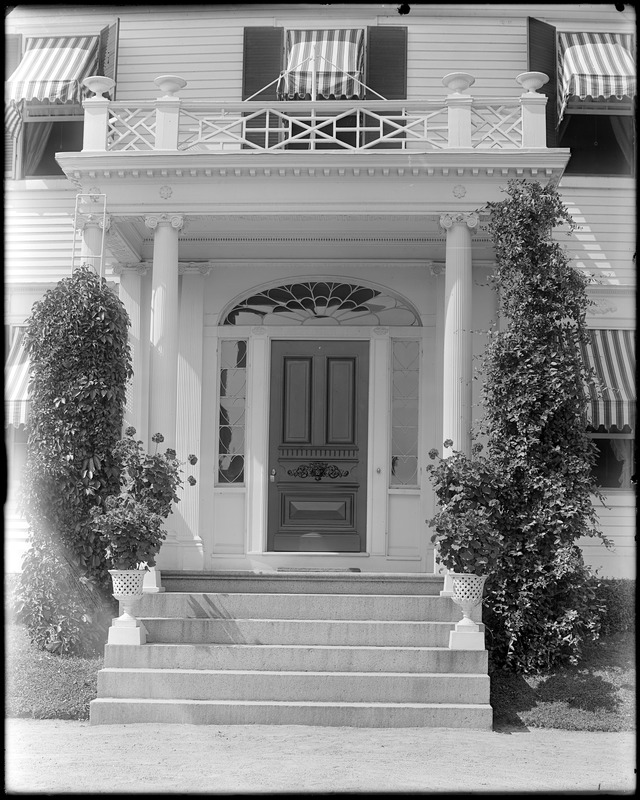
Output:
x=455 y=121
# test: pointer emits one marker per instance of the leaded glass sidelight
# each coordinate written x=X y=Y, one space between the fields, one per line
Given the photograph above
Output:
x=405 y=375
x=232 y=416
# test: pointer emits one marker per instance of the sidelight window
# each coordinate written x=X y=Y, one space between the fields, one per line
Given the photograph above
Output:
x=405 y=382
x=232 y=359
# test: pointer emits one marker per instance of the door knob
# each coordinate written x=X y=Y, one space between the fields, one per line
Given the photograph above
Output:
x=272 y=477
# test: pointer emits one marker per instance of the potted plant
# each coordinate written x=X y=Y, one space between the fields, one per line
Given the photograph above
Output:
x=131 y=522
x=467 y=540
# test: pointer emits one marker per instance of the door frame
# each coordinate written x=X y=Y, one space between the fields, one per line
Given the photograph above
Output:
x=379 y=406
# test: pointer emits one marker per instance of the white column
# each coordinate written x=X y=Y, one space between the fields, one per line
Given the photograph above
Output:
x=457 y=372
x=163 y=362
x=91 y=250
x=130 y=292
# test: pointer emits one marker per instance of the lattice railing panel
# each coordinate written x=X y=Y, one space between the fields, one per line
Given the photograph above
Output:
x=496 y=126
x=352 y=129
x=131 y=128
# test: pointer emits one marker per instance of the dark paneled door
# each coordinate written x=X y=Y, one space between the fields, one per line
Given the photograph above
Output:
x=318 y=446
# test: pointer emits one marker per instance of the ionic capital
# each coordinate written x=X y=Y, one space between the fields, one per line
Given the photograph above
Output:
x=176 y=221
x=468 y=218
x=139 y=268
x=84 y=221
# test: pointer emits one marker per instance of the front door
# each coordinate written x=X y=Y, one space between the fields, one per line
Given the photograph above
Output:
x=318 y=446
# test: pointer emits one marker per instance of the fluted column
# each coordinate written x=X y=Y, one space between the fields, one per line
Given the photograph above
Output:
x=163 y=362
x=457 y=374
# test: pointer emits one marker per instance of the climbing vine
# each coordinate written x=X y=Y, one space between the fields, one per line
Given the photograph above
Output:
x=80 y=363
x=537 y=488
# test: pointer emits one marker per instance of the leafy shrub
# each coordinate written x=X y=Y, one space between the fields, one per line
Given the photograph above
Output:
x=618 y=599
x=130 y=524
x=77 y=341
x=530 y=496
x=467 y=537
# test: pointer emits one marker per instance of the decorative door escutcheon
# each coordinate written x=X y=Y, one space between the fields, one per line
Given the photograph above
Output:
x=317 y=470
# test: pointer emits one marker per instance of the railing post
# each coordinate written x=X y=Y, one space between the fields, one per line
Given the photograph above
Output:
x=459 y=108
x=534 y=109
x=96 y=113
x=168 y=111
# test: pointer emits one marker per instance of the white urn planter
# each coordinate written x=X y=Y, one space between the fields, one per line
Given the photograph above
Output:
x=169 y=84
x=127 y=589
x=532 y=81
x=467 y=591
x=99 y=85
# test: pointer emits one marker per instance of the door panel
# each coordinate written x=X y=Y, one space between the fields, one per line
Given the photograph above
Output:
x=318 y=446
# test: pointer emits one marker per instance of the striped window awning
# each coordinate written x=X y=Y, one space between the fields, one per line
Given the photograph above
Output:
x=595 y=65
x=336 y=57
x=16 y=382
x=611 y=396
x=52 y=68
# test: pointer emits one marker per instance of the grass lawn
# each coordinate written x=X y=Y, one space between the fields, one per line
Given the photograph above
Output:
x=597 y=695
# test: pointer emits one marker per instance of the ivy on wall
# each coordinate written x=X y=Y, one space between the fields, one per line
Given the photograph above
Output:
x=80 y=362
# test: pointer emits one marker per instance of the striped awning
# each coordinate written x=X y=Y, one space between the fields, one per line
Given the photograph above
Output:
x=595 y=65
x=611 y=396
x=16 y=382
x=339 y=62
x=52 y=68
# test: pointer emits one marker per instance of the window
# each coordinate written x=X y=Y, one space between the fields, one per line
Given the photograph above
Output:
x=615 y=466
x=591 y=96
x=382 y=68
x=611 y=405
x=232 y=411
x=44 y=110
x=405 y=383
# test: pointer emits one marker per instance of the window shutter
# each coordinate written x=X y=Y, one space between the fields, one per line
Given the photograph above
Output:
x=12 y=54
x=386 y=62
x=263 y=58
x=108 y=53
x=541 y=57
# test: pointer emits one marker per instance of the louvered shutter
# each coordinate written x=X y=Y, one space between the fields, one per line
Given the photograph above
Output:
x=108 y=53
x=386 y=73
x=386 y=62
x=263 y=60
x=12 y=54
x=541 y=57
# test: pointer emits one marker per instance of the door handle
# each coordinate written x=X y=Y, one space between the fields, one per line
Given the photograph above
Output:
x=272 y=477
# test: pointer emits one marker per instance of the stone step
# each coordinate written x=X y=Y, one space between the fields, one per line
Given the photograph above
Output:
x=318 y=658
x=119 y=711
x=254 y=605
x=301 y=582
x=277 y=631
x=324 y=687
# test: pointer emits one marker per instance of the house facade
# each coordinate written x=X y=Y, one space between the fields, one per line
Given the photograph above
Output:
x=289 y=200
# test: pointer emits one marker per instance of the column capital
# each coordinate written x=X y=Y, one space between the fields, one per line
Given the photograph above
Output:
x=176 y=220
x=139 y=268
x=468 y=218
x=84 y=221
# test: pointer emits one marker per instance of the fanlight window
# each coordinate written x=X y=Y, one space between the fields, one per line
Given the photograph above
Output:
x=322 y=303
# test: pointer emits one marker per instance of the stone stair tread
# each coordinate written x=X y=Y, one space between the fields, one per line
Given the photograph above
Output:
x=293 y=673
x=297 y=703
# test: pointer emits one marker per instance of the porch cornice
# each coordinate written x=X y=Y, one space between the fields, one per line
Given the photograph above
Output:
x=540 y=163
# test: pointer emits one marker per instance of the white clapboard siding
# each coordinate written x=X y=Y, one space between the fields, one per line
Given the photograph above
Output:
x=38 y=235
x=204 y=44
x=618 y=523
x=605 y=243
x=493 y=53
